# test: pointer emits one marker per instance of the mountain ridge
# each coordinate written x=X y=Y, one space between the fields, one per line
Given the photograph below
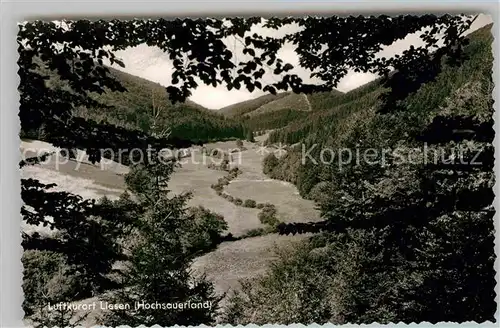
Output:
x=145 y=105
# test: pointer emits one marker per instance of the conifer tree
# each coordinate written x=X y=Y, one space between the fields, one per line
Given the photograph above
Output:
x=159 y=267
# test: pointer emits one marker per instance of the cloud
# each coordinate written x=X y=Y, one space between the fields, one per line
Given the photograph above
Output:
x=153 y=64
x=216 y=98
x=147 y=62
x=353 y=80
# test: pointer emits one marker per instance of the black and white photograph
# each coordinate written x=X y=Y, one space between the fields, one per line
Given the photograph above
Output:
x=305 y=169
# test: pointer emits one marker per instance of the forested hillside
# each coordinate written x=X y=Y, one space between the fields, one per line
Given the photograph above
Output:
x=247 y=106
x=343 y=118
x=408 y=232
x=145 y=106
x=272 y=112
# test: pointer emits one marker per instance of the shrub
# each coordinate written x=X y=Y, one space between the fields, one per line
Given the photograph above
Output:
x=270 y=163
x=217 y=187
x=238 y=201
x=269 y=220
x=250 y=203
x=233 y=174
x=207 y=231
x=235 y=170
x=260 y=205
x=268 y=215
x=295 y=275
x=48 y=278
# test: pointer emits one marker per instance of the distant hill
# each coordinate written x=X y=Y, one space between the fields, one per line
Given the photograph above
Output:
x=133 y=109
x=248 y=106
x=330 y=109
x=271 y=112
x=298 y=102
x=298 y=117
x=188 y=120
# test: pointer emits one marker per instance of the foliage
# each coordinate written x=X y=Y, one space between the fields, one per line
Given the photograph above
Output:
x=87 y=232
x=404 y=240
x=250 y=203
x=249 y=136
x=48 y=279
x=336 y=127
x=224 y=181
x=268 y=215
x=269 y=164
x=144 y=106
x=274 y=119
x=296 y=290
x=207 y=230
x=169 y=236
x=134 y=109
x=202 y=39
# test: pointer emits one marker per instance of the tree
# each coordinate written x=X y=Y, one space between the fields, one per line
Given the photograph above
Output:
x=156 y=114
x=48 y=280
x=87 y=232
x=167 y=239
x=406 y=241
x=269 y=163
x=249 y=136
x=207 y=229
x=79 y=60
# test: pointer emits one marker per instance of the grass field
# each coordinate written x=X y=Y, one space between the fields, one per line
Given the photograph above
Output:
x=231 y=261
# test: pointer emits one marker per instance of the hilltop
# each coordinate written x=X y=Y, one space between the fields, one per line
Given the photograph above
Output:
x=247 y=106
x=276 y=111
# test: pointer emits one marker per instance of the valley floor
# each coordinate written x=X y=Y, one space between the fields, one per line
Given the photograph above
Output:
x=231 y=261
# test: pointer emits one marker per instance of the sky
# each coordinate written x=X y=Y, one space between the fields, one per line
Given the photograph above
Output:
x=153 y=64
